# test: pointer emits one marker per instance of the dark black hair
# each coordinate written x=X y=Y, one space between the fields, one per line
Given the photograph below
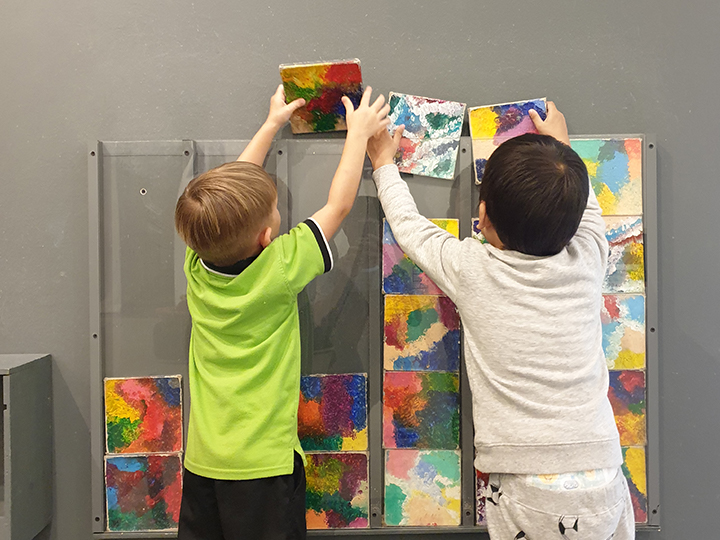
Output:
x=535 y=190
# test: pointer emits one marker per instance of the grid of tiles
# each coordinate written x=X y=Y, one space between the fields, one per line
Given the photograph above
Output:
x=144 y=443
x=615 y=170
x=332 y=427
x=421 y=394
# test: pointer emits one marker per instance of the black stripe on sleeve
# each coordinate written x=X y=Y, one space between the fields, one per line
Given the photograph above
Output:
x=322 y=242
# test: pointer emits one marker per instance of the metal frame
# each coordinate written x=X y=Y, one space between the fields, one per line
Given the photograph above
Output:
x=464 y=206
x=651 y=245
x=97 y=151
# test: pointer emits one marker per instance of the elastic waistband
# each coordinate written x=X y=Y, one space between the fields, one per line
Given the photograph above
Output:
x=588 y=501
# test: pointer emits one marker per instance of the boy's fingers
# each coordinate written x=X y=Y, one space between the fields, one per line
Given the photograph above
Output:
x=295 y=105
x=379 y=102
x=398 y=134
x=366 y=96
x=535 y=117
x=385 y=110
x=348 y=104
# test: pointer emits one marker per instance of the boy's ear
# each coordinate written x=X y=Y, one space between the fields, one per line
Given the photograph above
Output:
x=265 y=237
x=482 y=215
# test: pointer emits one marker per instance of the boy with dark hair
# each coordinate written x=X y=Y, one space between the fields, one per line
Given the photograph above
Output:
x=529 y=301
x=244 y=474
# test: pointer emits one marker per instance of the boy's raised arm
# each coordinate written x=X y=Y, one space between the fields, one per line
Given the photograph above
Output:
x=279 y=114
x=592 y=223
x=430 y=247
x=362 y=124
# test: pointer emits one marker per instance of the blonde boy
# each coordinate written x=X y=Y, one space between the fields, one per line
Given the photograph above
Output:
x=244 y=475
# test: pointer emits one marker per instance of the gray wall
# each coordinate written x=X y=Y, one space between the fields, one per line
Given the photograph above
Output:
x=79 y=70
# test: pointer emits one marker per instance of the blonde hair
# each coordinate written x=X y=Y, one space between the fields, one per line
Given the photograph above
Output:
x=221 y=212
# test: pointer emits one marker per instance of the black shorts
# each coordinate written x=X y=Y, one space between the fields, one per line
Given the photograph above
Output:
x=262 y=509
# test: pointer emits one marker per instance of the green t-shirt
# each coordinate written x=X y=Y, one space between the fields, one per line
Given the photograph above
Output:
x=244 y=369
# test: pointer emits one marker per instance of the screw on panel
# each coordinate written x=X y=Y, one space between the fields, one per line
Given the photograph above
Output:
x=279 y=152
x=187 y=152
x=652 y=330
x=92 y=153
x=143 y=191
x=464 y=150
x=651 y=146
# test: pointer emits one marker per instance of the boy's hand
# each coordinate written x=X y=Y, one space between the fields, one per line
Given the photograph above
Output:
x=280 y=111
x=381 y=147
x=367 y=119
x=554 y=125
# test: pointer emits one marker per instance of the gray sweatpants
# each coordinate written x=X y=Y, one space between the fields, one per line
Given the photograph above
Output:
x=516 y=511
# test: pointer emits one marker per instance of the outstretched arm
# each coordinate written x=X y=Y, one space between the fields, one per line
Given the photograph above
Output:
x=279 y=114
x=362 y=124
x=433 y=249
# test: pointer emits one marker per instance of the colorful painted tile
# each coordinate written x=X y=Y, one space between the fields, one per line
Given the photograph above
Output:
x=626 y=264
x=422 y=488
x=431 y=139
x=333 y=412
x=421 y=409
x=623 y=331
x=482 y=149
x=337 y=491
x=422 y=333
x=634 y=468
x=615 y=170
x=400 y=274
x=143 y=414
x=143 y=492
x=497 y=123
x=322 y=85
x=481 y=482
x=627 y=397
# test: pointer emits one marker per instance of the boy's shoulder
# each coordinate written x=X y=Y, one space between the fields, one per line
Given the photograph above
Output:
x=306 y=241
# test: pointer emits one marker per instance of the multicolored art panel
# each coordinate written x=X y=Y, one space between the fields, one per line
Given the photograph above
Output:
x=322 y=86
x=623 y=331
x=421 y=409
x=143 y=492
x=627 y=397
x=333 y=412
x=634 y=468
x=422 y=488
x=400 y=274
x=421 y=333
x=337 y=491
x=626 y=263
x=482 y=149
x=494 y=124
x=143 y=414
x=481 y=482
x=615 y=170
x=431 y=139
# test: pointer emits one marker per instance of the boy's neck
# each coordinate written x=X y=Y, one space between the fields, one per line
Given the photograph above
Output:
x=492 y=238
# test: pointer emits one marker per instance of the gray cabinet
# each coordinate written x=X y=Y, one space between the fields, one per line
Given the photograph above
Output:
x=26 y=457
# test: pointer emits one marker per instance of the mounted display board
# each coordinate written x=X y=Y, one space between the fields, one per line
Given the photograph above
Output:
x=361 y=347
